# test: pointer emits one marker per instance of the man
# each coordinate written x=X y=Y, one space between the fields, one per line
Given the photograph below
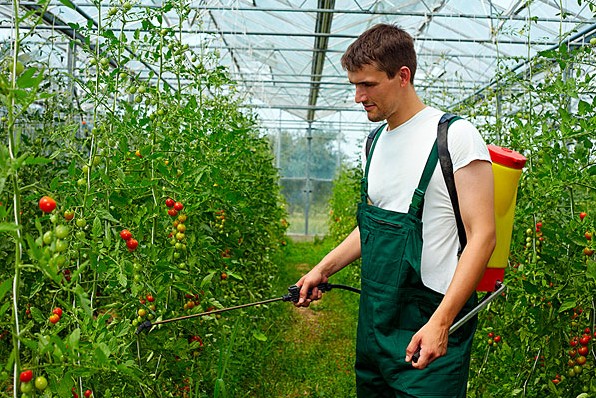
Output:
x=415 y=284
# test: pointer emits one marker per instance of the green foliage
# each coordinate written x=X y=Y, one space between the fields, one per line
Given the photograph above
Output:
x=110 y=158
x=550 y=118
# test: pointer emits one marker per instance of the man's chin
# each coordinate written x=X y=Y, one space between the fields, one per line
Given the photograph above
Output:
x=375 y=118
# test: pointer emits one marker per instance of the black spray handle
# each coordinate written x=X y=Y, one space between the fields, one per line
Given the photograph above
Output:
x=294 y=292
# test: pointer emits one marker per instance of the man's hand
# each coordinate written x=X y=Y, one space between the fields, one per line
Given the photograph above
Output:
x=310 y=282
x=432 y=341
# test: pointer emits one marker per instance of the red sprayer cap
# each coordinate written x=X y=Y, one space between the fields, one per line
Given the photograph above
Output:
x=506 y=157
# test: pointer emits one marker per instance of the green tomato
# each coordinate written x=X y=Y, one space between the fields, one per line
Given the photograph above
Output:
x=81 y=222
x=61 y=231
x=48 y=237
x=61 y=246
x=26 y=388
x=41 y=383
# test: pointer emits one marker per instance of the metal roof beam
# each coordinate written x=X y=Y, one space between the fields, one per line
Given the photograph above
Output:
x=371 y=12
x=323 y=25
x=328 y=35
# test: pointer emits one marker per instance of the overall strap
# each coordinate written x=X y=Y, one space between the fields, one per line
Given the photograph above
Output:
x=447 y=169
x=371 y=142
x=418 y=197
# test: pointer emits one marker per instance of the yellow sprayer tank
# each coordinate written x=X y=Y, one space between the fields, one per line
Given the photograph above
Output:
x=507 y=168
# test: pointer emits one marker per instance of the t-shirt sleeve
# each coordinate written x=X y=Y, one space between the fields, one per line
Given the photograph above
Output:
x=465 y=144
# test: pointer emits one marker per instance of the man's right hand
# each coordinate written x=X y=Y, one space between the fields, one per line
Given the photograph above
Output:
x=310 y=282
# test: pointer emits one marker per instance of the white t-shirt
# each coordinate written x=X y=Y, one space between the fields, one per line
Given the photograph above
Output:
x=396 y=166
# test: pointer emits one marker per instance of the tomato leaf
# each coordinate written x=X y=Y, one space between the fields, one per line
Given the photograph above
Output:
x=591 y=270
x=8 y=227
x=68 y=4
x=567 y=305
x=32 y=160
x=207 y=279
x=5 y=287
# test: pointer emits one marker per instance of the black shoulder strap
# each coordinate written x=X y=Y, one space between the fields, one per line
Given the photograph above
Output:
x=371 y=137
x=447 y=169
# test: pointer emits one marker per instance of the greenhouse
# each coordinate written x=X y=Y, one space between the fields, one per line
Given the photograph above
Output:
x=168 y=169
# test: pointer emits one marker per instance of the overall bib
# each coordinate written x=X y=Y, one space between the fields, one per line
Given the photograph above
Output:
x=395 y=304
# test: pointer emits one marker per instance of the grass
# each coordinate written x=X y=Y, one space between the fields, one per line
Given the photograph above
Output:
x=310 y=351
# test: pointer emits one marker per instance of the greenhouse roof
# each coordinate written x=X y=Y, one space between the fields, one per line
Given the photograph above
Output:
x=285 y=54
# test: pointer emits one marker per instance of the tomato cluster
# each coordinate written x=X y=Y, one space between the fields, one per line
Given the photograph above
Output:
x=56 y=315
x=87 y=394
x=147 y=309
x=26 y=377
x=578 y=352
x=131 y=242
x=178 y=233
x=493 y=339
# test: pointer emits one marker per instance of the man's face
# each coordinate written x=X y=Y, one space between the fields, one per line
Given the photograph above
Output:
x=376 y=92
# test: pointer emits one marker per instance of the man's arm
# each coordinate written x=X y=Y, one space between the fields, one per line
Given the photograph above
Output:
x=346 y=252
x=475 y=192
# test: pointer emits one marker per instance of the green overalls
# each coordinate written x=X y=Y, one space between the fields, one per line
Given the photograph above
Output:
x=394 y=304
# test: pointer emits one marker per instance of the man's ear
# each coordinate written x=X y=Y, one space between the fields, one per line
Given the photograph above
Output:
x=404 y=76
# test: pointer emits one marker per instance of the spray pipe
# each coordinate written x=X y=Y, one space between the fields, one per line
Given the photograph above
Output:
x=293 y=295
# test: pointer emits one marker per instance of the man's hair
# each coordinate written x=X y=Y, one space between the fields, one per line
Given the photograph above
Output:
x=386 y=47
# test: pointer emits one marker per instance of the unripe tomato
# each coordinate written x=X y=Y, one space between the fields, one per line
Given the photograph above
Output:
x=26 y=388
x=81 y=222
x=125 y=234
x=178 y=206
x=69 y=215
x=47 y=204
x=170 y=202
x=132 y=244
x=142 y=312
x=41 y=383
x=588 y=235
x=181 y=228
x=26 y=376
x=61 y=231
x=54 y=319
x=588 y=251
x=182 y=218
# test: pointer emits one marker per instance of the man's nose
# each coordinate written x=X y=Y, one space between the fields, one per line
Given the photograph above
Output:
x=360 y=95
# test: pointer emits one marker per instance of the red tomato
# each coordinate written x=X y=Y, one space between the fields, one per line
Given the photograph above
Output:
x=582 y=215
x=585 y=340
x=125 y=234
x=47 y=204
x=583 y=350
x=172 y=212
x=150 y=298
x=54 y=319
x=57 y=311
x=497 y=339
x=132 y=244
x=26 y=376
x=88 y=393
x=170 y=202
x=178 y=206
